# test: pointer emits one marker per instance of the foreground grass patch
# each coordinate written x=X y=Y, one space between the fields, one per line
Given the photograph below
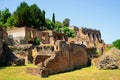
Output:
x=88 y=73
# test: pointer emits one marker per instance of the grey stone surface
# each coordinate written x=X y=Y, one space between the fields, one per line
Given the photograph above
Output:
x=110 y=60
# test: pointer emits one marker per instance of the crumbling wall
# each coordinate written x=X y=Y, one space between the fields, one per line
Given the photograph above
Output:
x=91 y=52
x=1 y=47
x=78 y=56
x=91 y=38
x=15 y=55
x=2 y=57
x=23 y=51
x=66 y=57
x=2 y=38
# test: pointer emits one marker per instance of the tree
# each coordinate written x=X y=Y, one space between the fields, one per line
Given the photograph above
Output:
x=31 y=16
x=49 y=24
x=22 y=15
x=11 y=21
x=58 y=23
x=4 y=15
x=58 y=26
x=116 y=43
x=43 y=18
x=53 y=18
x=66 y=22
x=0 y=13
x=35 y=16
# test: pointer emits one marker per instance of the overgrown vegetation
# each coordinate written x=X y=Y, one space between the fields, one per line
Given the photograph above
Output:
x=36 y=41
x=116 y=43
x=68 y=32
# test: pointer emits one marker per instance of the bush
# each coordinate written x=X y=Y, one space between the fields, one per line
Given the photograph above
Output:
x=36 y=41
x=68 y=32
x=116 y=43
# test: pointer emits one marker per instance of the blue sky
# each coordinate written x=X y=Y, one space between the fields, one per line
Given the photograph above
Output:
x=103 y=15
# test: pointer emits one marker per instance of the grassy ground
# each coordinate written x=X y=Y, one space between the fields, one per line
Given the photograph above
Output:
x=88 y=73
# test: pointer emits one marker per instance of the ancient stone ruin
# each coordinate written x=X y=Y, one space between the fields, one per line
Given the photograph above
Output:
x=3 y=37
x=25 y=35
x=6 y=56
x=90 y=38
x=59 y=57
x=109 y=60
x=56 y=52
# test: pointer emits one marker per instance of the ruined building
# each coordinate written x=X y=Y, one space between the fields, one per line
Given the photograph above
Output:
x=91 y=38
x=6 y=56
x=58 y=53
x=58 y=57
x=26 y=35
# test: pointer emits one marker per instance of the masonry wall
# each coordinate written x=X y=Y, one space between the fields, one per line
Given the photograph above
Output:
x=46 y=37
x=60 y=61
x=1 y=51
x=77 y=56
x=2 y=56
x=66 y=57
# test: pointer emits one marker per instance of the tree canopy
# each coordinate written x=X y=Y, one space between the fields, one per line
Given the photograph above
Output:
x=66 y=22
x=33 y=16
x=116 y=43
x=30 y=16
x=22 y=14
x=53 y=18
x=4 y=15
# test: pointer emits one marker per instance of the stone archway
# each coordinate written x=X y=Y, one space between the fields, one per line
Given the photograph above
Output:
x=30 y=42
x=89 y=36
x=98 y=36
x=93 y=35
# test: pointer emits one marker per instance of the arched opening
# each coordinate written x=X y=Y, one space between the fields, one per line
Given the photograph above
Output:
x=94 y=37
x=89 y=36
x=30 y=42
x=97 y=37
x=31 y=34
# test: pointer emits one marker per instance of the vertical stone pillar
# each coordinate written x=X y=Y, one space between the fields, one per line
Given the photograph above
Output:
x=87 y=37
x=98 y=37
x=91 y=36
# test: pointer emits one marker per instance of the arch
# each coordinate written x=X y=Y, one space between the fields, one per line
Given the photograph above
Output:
x=97 y=35
x=30 y=42
x=94 y=37
x=89 y=36
x=31 y=34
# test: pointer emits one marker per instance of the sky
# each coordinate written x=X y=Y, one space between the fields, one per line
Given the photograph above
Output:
x=103 y=15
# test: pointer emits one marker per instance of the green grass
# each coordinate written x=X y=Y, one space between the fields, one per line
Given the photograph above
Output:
x=88 y=73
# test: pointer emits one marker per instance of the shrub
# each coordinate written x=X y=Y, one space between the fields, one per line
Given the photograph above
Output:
x=36 y=41
x=116 y=43
x=68 y=32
